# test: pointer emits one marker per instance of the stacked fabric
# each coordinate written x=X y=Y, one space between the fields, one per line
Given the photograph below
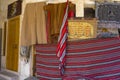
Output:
x=96 y=59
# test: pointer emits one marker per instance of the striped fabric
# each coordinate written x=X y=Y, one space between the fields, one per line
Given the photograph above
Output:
x=97 y=59
x=47 y=63
x=62 y=41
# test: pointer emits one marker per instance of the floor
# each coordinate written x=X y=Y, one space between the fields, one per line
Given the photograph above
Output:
x=8 y=75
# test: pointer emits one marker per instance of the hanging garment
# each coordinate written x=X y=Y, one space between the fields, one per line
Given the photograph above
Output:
x=55 y=13
x=34 y=25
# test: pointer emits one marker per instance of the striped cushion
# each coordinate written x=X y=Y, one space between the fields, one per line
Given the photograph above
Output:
x=98 y=59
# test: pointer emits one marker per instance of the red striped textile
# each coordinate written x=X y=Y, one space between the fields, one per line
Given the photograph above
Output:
x=98 y=59
x=95 y=59
x=62 y=41
x=47 y=63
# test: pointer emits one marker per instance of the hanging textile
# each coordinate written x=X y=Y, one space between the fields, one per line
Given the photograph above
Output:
x=55 y=13
x=62 y=41
x=96 y=59
x=34 y=25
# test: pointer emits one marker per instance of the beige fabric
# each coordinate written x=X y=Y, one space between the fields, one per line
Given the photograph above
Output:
x=33 y=25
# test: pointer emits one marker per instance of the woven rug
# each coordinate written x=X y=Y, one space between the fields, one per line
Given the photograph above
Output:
x=97 y=59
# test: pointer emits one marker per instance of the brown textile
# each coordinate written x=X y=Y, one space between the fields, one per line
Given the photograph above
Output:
x=34 y=25
x=56 y=17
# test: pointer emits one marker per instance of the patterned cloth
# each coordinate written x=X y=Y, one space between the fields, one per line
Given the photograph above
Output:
x=98 y=59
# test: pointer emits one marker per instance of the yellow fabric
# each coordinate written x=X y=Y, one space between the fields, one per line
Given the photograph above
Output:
x=34 y=25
